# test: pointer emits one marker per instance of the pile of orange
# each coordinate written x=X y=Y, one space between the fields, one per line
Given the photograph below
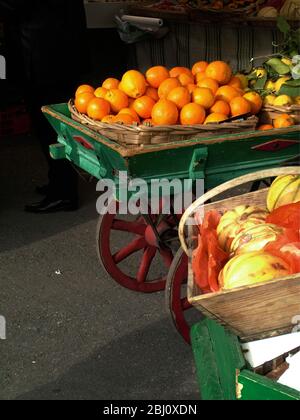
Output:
x=207 y=93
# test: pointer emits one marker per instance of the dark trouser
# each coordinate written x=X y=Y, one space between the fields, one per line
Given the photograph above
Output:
x=63 y=179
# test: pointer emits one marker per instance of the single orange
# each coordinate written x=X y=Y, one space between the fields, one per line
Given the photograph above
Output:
x=130 y=111
x=177 y=71
x=220 y=107
x=283 y=120
x=152 y=93
x=209 y=83
x=82 y=101
x=133 y=84
x=256 y=101
x=100 y=92
x=240 y=106
x=84 y=89
x=167 y=85
x=219 y=71
x=164 y=112
x=227 y=93
x=203 y=97
x=192 y=114
x=199 y=76
x=180 y=96
x=111 y=83
x=98 y=108
x=199 y=67
x=143 y=106
x=236 y=82
x=186 y=79
x=191 y=87
x=124 y=119
x=117 y=99
x=109 y=119
x=156 y=75
x=215 y=118
x=264 y=127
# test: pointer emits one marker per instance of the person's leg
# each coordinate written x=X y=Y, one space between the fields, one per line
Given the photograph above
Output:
x=63 y=180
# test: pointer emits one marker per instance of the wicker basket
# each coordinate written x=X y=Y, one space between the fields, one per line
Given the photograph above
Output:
x=269 y=113
x=251 y=312
x=142 y=134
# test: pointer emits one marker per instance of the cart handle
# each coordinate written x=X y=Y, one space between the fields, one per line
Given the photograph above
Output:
x=266 y=173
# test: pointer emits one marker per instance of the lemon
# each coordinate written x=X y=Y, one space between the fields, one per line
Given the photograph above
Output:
x=269 y=100
x=286 y=61
x=260 y=72
x=280 y=82
x=283 y=100
x=270 y=85
x=243 y=80
x=297 y=100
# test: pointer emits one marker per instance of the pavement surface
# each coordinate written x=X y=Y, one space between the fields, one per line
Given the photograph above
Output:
x=72 y=332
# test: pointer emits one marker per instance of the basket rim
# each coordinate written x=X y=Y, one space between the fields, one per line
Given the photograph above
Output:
x=289 y=108
x=127 y=152
x=174 y=129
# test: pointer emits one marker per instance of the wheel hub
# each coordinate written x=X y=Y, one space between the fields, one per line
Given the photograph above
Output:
x=151 y=236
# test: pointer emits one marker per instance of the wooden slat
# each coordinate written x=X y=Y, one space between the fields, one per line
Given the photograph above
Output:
x=256 y=311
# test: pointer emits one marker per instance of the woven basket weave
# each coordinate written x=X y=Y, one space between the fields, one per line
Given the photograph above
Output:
x=269 y=113
x=142 y=134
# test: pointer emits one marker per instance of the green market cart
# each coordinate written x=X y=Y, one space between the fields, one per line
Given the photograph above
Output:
x=152 y=240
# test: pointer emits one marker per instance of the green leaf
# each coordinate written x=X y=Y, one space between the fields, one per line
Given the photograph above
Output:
x=283 y=25
x=260 y=83
x=278 y=66
x=289 y=90
x=293 y=83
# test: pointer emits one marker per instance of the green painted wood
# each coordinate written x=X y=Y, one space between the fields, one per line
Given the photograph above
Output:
x=216 y=162
x=218 y=357
x=257 y=387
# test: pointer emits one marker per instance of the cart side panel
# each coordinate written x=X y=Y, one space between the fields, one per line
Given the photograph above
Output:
x=219 y=162
x=259 y=388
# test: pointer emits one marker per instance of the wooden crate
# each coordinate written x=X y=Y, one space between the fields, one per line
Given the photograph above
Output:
x=252 y=312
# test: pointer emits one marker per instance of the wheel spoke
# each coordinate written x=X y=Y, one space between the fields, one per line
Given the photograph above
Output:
x=147 y=259
x=127 y=226
x=134 y=246
x=167 y=256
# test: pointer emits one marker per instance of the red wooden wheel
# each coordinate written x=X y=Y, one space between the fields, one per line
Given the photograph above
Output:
x=142 y=244
x=182 y=313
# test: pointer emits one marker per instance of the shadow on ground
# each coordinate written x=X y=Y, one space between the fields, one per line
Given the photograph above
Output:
x=22 y=168
x=128 y=368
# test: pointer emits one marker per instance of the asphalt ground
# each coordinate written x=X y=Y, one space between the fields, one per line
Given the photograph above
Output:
x=72 y=332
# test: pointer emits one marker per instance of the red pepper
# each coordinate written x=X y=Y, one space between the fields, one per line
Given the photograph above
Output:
x=209 y=259
x=287 y=216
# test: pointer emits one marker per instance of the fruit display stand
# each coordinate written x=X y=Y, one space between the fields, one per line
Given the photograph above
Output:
x=222 y=371
x=215 y=159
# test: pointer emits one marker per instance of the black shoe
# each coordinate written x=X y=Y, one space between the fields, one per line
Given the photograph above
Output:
x=43 y=190
x=52 y=206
